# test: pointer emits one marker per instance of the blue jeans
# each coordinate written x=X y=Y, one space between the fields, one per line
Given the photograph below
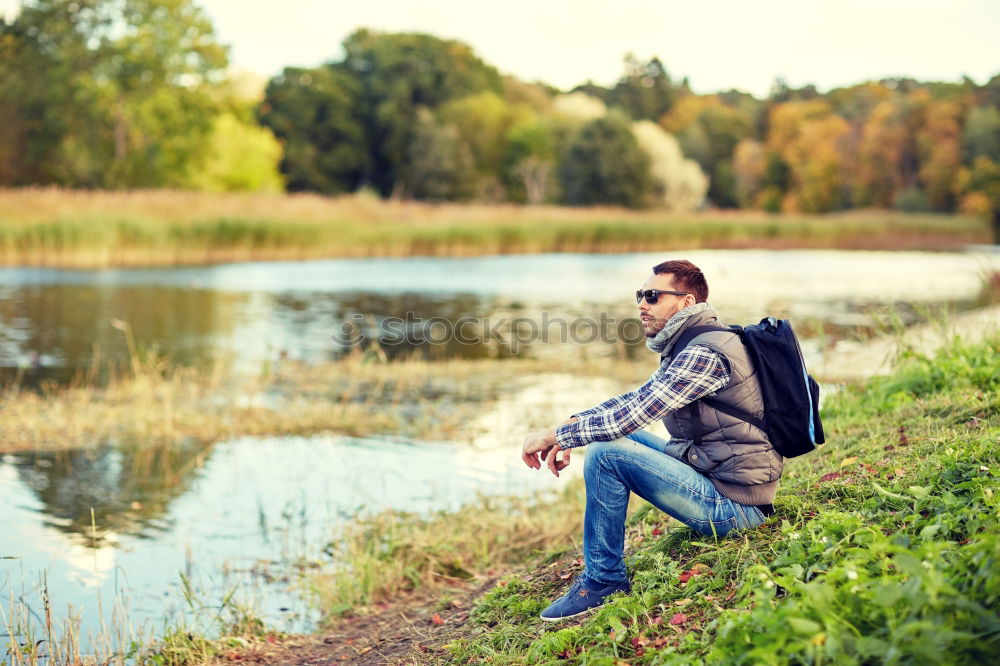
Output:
x=637 y=463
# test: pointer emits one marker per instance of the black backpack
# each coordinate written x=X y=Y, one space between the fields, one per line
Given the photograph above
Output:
x=791 y=396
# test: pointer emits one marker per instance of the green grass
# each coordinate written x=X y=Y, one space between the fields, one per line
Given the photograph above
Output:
x=884 y=550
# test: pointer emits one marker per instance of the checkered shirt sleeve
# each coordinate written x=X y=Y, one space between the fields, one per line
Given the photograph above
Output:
x=696 y=372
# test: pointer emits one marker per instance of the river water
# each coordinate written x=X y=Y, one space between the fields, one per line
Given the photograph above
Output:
x=55 y=322
x=111 y=526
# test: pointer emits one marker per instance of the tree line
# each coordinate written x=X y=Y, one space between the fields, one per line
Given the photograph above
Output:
x=134 y=93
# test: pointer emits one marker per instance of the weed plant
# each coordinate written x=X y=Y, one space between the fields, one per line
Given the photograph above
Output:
x=884 y=549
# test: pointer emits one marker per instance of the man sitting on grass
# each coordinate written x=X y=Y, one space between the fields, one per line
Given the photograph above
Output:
x=725 y=482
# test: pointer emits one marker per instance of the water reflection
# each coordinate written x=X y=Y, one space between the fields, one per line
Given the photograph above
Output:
x=100 y=494
x=52 y=321
x=244 y=514
x=241 y=517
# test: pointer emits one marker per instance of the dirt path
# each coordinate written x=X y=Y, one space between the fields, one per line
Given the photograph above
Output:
x=412 y=631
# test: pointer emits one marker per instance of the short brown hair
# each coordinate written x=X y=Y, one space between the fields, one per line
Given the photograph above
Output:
x=687 y=277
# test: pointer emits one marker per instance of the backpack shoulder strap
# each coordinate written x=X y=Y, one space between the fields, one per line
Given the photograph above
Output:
x=683 y=341
x=690 y=334
x=735 y=412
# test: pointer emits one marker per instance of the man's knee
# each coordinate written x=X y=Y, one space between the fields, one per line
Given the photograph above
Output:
x=598 y=452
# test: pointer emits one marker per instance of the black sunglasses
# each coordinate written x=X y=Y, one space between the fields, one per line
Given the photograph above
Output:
x=653 y=295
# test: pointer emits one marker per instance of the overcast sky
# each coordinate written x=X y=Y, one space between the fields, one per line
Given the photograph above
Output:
x=718 y=44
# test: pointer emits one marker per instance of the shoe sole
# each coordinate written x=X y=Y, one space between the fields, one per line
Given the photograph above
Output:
x=567 y=617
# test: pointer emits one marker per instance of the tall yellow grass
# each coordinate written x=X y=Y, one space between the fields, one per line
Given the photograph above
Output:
x=154 y=403
x=99 y=228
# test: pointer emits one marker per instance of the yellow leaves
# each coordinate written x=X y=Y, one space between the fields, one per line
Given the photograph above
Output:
x=848 y=461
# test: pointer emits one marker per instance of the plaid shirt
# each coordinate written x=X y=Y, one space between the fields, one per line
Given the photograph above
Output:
x=696 y=372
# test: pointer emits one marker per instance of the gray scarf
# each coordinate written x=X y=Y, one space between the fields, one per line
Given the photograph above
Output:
x=664 y=338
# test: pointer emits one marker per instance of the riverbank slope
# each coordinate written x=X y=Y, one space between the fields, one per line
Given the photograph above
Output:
x=885 y=546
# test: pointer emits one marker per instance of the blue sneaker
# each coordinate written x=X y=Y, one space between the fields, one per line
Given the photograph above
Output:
x=579 y=600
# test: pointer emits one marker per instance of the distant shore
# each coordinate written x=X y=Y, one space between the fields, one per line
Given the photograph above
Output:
x=93 y=229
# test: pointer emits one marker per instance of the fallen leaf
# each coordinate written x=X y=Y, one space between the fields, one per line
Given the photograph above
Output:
x=656 y=621
x=682 y=602
x=612 y=634
x=456 y=603
x=848 y=461
x=657 y=531
x=698 y=569
x=659 y=642
x=437 y=619
x=900 y=472
x=678 y=618
x=830 y=477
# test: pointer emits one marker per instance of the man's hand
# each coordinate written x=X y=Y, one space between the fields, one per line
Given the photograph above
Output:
x=557 y=462
x=535 y=443
x=542 y=446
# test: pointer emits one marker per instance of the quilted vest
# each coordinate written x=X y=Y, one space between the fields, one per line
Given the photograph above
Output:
x=736 y=456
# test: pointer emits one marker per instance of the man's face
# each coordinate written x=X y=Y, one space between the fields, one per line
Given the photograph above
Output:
x=654 y=316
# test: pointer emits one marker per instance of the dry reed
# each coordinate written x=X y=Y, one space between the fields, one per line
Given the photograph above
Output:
x=98 y=228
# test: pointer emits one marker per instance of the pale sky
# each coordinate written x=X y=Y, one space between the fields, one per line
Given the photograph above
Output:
x=718 y=44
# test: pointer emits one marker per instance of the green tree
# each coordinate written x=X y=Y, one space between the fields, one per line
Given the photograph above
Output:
x=604 y=164
x=646 y=91
x=709 y=130
x=442 y=163
x=109 y=93
x=398 y=75
x=317 y=115
x=528 y=170
x=46 y=90
x=161 y=63
x=242 y=157
x=484 y=123
x=981 y=136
